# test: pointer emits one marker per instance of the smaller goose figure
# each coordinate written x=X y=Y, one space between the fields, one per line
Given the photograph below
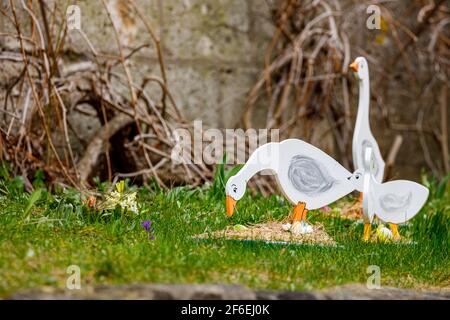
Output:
x=307 y=176
x=362 y=136
x=392 y=202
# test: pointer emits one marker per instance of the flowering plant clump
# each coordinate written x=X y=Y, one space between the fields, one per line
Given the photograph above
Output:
x=118 y=197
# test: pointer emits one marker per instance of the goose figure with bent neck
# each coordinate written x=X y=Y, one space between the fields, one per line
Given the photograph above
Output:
x=363 y=137
x=307 y=177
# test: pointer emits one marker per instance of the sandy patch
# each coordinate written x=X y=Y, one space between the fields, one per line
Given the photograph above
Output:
x=271 y=232
x=352 y=211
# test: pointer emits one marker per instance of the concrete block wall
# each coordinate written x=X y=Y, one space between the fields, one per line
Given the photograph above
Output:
x=213 y=49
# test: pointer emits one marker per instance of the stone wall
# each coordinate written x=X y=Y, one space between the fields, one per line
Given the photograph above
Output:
x=213 y=49
x=214 y=54
x=225 y=292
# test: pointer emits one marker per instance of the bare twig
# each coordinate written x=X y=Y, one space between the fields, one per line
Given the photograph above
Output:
x=392 y=155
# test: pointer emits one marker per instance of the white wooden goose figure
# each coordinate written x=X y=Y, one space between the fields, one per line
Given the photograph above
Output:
x=362 y=135
x=393 y=202
x=307 y=176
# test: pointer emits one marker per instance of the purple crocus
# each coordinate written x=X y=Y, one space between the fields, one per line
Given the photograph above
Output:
x=146 y=225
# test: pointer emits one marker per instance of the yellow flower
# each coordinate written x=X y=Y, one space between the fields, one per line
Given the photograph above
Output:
x=120 y=186
x=240 y=227
x=380 y=38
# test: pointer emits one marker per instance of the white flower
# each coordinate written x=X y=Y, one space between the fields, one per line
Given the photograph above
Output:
x=30 y=253
x=127 y=201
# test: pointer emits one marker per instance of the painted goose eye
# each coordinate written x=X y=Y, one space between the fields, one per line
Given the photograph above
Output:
x=234 y=188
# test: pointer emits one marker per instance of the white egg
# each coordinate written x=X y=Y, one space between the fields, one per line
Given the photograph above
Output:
x=301 y=227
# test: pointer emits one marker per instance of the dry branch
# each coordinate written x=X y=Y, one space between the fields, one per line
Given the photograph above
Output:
x=305 y=77
x=96 y=146
x=49 y=91
x=392 y=155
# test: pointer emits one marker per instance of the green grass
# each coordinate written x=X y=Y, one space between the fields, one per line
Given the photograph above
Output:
x=42 y=234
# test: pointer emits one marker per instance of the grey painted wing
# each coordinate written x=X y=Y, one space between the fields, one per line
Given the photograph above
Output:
x=309 y=176
x=398 y=201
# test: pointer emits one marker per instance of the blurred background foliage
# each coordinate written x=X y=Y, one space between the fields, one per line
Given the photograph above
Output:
x=101 y=103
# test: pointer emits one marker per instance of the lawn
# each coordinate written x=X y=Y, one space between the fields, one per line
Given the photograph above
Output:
x=43 y=233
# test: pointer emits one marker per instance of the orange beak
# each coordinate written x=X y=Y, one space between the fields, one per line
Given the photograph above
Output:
x=231 y=203
x=354 y=66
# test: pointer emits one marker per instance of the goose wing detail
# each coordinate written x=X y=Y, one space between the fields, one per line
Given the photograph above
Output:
x=398 y=201
x=308 y=174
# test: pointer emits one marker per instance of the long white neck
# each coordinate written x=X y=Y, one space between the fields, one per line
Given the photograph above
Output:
x=362 y=118
x=264 y=157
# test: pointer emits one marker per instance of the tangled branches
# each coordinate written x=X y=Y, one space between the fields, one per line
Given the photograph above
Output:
x=305 y=87
x=304 y=63
x=48 y=89
x=53 y=92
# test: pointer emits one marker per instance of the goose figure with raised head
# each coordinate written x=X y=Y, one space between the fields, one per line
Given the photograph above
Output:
x=362 y=135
